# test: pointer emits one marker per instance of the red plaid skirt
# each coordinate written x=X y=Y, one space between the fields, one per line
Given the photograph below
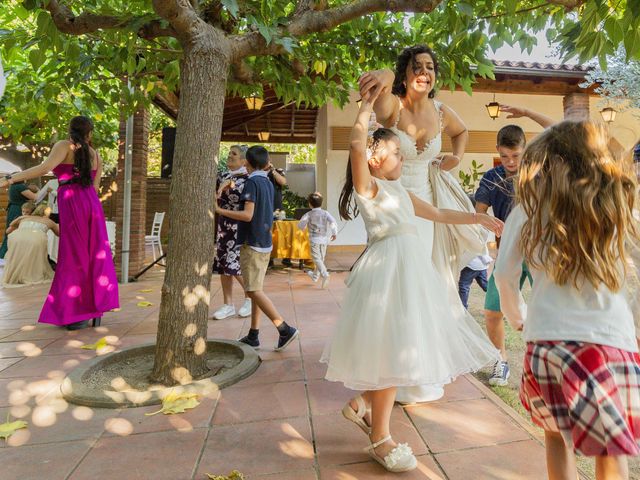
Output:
x=589 y=393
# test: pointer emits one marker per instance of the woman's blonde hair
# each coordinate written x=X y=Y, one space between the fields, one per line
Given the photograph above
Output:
x=579 y=198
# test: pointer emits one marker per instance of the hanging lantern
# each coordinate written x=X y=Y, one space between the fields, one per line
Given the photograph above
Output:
x=608 y=114
x=264 y=136
x=493 y=108
x=254 y=103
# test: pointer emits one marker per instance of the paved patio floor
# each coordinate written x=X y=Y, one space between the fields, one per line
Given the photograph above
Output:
x=282 y=423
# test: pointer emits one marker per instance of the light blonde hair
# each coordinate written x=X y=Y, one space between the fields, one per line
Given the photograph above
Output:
x=579 y=198
x=40 y=211
x=30 y=206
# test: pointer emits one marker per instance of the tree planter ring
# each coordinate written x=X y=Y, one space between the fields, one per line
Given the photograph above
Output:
x=89 y=385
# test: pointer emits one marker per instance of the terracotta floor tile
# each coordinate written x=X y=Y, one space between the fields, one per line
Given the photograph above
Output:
x=274 y=371
x=52 y=461
x=427 y=470
x=157 y=456
x=7 y=362
x=295 y=475
x=461 y=389
x=327 y=397
x=314 y=369
x=458 y=425
x=5 y=332
x=240 y=404
x=513 y=461
x=134 y=421
x=49 y=423
x=339 y=441
x=44 y=366
x=258 y=448
x=27 y=348
x=37 y=331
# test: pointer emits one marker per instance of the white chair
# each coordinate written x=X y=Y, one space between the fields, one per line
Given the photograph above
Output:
x=154 y=238
x=111 y=235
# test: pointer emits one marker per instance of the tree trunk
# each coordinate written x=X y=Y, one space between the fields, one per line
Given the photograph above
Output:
x=180 y=355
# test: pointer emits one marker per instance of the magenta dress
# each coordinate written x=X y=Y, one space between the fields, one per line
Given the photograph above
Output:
x=85 y=283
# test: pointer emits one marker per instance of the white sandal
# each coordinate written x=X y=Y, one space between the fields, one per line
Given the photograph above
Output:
x=357 y=417
x=400 y=459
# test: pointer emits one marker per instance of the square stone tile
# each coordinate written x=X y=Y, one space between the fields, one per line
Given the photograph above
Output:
x=45 y=366
x=258 y=448
x=17 y=392
x=274 y=371
x=296 y=475
x=38 y=331
x=313 y=368
x=339 y=441
x=157 y=456
x=427 y=470
x=461 y=389
x=53 y=461
x=48 y=423
x=7 y=362
x=513 y=461
x=240 y=404
x=132 y=421
x=328 y=397
x=460 y=425
x=25 y=348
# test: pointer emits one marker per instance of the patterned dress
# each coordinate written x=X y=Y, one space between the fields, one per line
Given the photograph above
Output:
x=227 y=259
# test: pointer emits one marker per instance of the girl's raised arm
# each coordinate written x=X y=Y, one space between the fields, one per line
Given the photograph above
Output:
x=362 y=181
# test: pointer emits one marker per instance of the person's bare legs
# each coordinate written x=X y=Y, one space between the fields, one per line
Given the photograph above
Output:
x=240 y=280
x=495 y=330
x=612 y=468
x=381 y=406
x=561 y=461
x=260 y=302
x=227 y=289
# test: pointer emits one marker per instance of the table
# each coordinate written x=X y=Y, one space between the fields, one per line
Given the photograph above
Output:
x=53 y=241
x=289 y=241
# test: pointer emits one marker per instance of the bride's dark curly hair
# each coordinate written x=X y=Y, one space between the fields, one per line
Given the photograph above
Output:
x=408 y=55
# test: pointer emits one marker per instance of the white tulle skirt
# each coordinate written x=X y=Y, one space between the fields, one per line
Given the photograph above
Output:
x=397 y=327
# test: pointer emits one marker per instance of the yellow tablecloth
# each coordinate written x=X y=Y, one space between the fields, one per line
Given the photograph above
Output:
x=289 y=241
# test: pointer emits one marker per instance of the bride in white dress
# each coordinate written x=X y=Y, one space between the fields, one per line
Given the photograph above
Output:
x=406 y=105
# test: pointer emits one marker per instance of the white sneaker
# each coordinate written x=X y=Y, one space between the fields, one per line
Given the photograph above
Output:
x=325 y=282
x=224 y=311
x=312 y=275
x=245 y=309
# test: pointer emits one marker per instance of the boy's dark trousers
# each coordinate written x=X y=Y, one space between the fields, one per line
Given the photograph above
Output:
x=467 y=276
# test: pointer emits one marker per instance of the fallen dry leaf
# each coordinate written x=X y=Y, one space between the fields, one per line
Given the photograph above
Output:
x=9 y=428
x=177 y=403
x=144 y=304
x=235 y=475
x=146 y=290
x=96 y=346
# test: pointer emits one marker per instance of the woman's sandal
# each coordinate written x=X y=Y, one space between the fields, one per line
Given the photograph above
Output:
x=357 y=417
x=400 y=459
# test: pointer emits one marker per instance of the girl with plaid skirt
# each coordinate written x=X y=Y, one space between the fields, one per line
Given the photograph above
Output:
x=574 y=228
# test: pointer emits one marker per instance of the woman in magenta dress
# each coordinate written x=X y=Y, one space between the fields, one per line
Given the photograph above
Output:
x=85 y=283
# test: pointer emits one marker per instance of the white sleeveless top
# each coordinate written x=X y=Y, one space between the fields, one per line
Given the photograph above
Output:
x=415 y=167
x=32 y=226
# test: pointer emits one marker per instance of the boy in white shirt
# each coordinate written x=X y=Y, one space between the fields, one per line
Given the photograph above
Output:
x=323 y=229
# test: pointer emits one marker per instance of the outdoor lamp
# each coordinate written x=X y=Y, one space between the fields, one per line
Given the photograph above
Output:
x=254 y=103
x=608 y=114
x=493 y=108
x=264 y=136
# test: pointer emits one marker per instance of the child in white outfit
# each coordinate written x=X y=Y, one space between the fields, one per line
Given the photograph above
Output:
x=389 y=334
x=323 y=229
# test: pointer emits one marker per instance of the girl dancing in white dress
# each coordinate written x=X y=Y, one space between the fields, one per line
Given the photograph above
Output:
x=389 y=335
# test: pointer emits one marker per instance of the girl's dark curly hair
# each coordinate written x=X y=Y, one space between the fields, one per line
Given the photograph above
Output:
x=407 y=56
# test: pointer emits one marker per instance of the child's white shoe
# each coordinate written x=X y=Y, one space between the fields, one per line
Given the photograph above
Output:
x=245 y=309
x=325 y=281
x=312 y=275
x=400 y=459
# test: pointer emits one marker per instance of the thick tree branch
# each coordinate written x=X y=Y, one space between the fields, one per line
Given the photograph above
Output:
x=308 y=21
x=182 y=16
x=65 y=20
x=568 y=4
